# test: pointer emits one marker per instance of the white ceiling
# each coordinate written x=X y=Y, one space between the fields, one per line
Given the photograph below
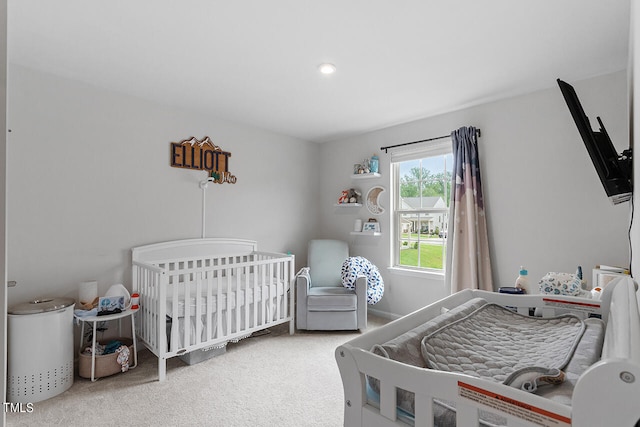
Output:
x=255 y=61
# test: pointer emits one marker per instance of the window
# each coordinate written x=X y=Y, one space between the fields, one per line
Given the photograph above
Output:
x=422 y=186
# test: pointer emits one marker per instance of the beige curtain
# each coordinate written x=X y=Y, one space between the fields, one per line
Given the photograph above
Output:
x=468 y=262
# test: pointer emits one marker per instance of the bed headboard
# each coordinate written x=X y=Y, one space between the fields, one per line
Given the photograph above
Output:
x=189 y=248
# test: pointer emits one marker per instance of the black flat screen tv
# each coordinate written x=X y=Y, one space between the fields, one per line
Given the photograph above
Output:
x=614 y=169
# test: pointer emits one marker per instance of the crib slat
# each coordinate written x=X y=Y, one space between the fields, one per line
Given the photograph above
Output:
x=154 y=286
x=151 y=290
x=227 y=307
x=256 y=290
x=271 y=309
x=275 y=290
x=248 y=297
x=146 y=296
x=209 y=297
x=198 y=321
x=263 y=315
x=160 y=321
x=238 y=309
x=219 y=303
x=267 y=295
x=186 y=336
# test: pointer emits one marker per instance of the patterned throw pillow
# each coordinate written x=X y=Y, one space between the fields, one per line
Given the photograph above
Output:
x=560 y=284
x=353 y=267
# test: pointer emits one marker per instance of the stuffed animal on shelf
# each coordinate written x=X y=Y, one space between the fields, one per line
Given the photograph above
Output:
x=354 y=195
x=344 y=197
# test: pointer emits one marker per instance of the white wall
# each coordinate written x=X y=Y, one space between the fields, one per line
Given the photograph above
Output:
x=89 y=178
x=545 y=205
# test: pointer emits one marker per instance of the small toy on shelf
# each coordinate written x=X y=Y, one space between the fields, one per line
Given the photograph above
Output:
x=361 y=168
x=349 y=196
x=354 y=195
x=344 y=197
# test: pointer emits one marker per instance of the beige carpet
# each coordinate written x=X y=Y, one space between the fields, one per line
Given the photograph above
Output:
x=270 y=380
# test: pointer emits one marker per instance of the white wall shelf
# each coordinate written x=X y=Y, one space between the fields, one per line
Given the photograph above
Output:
x=369 y=175
x=366 y=233
x=366 y=175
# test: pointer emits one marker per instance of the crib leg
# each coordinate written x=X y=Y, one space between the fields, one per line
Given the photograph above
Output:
x=292 y=327
x=162 y=369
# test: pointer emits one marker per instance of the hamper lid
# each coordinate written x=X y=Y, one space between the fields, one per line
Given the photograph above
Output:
x=41 y=305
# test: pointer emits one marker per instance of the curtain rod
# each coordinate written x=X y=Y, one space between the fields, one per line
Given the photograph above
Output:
x=422 y=140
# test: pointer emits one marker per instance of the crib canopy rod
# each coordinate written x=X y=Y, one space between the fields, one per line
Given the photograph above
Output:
x=422 y=140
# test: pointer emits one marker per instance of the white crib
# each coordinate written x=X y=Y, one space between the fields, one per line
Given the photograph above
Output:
x=203 y=293
x=606 y=393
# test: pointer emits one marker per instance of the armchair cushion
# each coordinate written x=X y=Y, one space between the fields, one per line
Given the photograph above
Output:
x=325 y=259
x=331 y=298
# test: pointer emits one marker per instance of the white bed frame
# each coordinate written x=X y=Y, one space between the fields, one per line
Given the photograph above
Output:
x=207 y=282
x=606 y=394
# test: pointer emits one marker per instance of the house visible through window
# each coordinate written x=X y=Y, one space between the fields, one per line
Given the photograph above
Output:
x=422 y=184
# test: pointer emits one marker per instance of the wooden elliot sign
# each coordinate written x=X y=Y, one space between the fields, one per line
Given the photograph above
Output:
x=202 y=154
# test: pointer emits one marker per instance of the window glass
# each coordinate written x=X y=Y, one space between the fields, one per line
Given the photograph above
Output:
x=423 y=189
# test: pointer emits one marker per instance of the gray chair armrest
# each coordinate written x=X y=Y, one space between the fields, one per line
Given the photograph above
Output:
x=303 y=282
x=361 y=296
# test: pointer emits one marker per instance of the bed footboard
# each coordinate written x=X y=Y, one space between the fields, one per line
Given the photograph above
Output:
x=470 y=395
x=605 y=394
x=191 y=302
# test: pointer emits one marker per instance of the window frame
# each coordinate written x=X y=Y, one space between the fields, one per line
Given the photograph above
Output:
x=433 y=149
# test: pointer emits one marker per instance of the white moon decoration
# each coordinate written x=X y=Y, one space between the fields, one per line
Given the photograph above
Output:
x=373 y=200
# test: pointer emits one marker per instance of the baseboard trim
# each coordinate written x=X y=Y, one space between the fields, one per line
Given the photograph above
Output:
x=383 y=314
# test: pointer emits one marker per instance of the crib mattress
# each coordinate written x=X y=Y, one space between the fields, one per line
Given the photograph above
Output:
x=253 y=294
x=407 y=349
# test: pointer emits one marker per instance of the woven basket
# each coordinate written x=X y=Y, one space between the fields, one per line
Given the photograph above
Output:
x=106 y=364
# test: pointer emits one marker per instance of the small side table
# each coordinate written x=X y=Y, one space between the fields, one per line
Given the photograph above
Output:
x=117 y=316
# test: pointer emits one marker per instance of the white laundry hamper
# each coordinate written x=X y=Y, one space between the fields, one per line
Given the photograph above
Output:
x=40 y=349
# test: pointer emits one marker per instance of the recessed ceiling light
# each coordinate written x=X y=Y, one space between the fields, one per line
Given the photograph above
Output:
x=327 y=68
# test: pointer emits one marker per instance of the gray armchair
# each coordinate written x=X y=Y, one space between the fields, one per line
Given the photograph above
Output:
x=322 y=302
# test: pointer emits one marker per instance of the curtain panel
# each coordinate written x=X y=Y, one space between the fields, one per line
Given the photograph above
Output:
x=468 y=261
